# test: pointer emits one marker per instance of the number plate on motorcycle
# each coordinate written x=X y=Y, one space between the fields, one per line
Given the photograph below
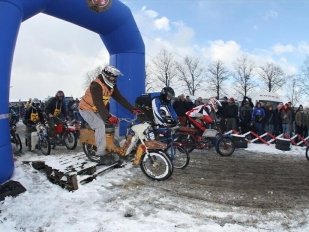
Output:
x=210 y=133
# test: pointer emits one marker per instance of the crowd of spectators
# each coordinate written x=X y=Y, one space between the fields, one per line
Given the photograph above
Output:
x=246 y=116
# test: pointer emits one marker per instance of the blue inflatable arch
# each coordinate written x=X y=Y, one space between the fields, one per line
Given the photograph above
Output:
x=111 y=19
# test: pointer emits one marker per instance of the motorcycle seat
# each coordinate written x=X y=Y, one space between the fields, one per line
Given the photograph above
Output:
x=187 y=129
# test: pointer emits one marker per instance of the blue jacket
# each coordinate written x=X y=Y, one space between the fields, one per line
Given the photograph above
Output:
x=258 y=114
x=163 y=112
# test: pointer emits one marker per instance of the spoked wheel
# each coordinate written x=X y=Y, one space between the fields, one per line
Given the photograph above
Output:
x=90 y=151
x=307 y=153
x=187 y=142
x=17 y=142
x=44 y=145
x=225 y=146
x=156 y=165
x=179 y=156
x=70 y=140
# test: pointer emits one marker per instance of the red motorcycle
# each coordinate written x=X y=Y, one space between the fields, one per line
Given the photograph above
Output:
x=201 y=138
x=65 y=135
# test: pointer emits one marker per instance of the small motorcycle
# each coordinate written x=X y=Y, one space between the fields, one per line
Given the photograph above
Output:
x=65 y=134
x=150 y=154
x=190 y=139
x=43 y=143
x=15 y=139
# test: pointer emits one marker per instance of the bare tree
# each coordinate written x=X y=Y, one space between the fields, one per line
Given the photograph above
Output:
x=190 y=72
x=293 y=89
x=243 y=74
x=217 y=74
x=164 y=67
x=304 y=76
x=91 y=75
x=272 y=76
x=150 y=81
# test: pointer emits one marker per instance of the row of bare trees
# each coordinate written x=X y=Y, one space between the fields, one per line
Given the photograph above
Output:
x=246 y=77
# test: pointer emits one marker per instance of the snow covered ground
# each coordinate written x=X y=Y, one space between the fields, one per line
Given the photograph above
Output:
x=123 y=200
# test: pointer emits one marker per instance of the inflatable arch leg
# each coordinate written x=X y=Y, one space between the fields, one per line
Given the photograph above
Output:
x=117 y=29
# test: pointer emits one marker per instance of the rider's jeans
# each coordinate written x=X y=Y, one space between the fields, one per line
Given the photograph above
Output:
x=97 y=124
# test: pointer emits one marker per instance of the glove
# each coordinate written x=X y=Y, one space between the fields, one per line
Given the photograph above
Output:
x=136 y=111
x=113 y=120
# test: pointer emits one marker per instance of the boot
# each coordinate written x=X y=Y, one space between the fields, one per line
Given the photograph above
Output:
x=110 y=159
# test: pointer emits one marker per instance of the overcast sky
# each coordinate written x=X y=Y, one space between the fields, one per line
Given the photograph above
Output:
x=52 y=54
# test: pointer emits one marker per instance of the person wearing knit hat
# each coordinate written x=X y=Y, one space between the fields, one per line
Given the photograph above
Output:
x=231 y=115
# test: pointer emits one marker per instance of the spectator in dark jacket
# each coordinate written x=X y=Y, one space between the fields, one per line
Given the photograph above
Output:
x=190 y=104
x=220 y=113
x=300 y=121
x=198 y=102
x=231 y=115
x=245 y=116
x=278 y=120
x=180 y=106
x=70 y=107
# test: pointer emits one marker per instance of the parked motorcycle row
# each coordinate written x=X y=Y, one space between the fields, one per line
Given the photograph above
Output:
x=155 y=149
x=37 y=138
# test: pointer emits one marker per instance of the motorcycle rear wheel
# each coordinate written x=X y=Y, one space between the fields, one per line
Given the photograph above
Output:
x=181 y=157
x=70 y=140
x=156 y=165
x=187 y=142
x=90 y=151
x=17 y=142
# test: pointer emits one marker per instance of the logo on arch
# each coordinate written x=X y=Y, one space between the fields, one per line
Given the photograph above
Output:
x=99 y=5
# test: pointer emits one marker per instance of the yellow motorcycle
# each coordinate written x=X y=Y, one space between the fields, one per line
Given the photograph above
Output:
x=149 y=154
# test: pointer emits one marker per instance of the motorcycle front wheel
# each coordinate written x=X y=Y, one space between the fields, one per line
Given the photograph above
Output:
x=70 y=140
x=16 y=140
x=156 y=165
x=307 y=153
x=44 y=145
x=187 y=141
x=225 y=146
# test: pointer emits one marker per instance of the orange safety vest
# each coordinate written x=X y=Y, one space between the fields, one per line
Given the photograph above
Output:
x=86 y=102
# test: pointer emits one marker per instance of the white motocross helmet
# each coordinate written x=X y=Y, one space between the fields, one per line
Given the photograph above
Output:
x=214 y=103
x=110 y=74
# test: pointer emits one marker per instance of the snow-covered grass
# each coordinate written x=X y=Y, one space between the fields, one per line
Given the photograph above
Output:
x=121 y=200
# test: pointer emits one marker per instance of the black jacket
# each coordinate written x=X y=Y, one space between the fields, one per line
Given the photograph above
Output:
x=231 y=110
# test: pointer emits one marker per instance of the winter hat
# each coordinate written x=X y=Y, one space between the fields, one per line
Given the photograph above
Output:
x=225 y=98
x=232 y=99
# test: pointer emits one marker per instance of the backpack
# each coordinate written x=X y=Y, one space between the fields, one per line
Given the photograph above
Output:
x=144 y=101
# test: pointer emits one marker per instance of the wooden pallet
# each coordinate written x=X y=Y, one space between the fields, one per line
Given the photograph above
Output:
x=70 y=171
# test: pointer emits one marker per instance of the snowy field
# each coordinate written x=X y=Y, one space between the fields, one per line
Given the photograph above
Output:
x=123 y=200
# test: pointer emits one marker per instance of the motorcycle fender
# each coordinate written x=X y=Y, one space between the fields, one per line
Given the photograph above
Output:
x=155 y=145
x=87 y=136
x=138 y=154
x=71 y=128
